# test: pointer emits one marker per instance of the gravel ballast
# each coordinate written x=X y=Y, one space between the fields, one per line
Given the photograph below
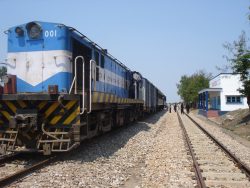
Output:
x=240 y=150
x=150 y=153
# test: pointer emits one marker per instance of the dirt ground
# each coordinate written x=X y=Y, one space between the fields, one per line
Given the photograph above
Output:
x=235 y=123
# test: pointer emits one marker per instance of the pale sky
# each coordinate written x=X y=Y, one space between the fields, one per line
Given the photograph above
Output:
x=162 y=39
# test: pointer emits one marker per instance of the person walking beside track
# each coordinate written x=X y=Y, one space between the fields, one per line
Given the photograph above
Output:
x=169 y=108
x=175 y=107
x=187 y=108
x=182 y=108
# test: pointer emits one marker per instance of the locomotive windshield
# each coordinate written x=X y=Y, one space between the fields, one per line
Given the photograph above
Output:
x=34 y=30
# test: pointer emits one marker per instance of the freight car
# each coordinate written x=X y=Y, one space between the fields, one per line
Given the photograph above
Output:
x=62 y=88
x=153 y=99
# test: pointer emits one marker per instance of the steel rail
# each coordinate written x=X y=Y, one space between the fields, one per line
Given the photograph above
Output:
x=24 y=172
x=7 y=158
x=199 y=177
x=236 y=160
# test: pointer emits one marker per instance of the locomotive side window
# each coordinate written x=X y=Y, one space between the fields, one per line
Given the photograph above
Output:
x=125 y=80
x=97 y=65
x=97 y=58
x=97 y=74
x=102 y=61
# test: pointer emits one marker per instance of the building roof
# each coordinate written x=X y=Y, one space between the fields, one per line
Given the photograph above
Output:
x=223 y=73
x=210 y=89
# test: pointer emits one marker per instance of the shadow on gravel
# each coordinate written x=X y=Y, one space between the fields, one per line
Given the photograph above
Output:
x=152 y=119
x=106 y=145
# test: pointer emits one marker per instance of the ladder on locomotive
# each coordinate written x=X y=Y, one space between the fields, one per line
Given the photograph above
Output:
x=8 y=140
x=56 y=141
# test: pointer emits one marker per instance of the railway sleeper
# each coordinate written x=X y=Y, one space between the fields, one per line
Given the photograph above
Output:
x=231 y=184
x=219 y=163
x=210 y=158
x=216 y=168
x=236 y=176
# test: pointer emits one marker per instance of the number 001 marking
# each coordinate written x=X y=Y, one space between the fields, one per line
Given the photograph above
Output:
x=51 y=33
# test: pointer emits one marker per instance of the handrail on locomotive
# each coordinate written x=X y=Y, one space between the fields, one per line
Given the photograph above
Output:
x=74 y=82
x=90 y=83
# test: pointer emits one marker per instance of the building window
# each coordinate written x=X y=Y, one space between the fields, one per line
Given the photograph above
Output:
x=234 y=100
x=238 y=99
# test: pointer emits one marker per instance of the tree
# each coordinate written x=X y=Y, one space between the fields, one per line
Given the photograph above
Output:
x=189 y=86
x=240 y=63
x=3 y=71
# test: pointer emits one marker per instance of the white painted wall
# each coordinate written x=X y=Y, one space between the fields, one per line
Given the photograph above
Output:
x=230 y=83
x=36 y=67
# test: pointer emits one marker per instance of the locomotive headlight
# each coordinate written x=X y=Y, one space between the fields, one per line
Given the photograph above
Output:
x=19 y=31
x=34 y=30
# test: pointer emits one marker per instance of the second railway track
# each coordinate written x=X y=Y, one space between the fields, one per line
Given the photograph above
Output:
x=14 y=167
x=214 y=165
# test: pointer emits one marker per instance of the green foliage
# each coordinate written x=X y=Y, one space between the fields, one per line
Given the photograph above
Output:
x=240 y=62
x=3 y=71
x=189 y=86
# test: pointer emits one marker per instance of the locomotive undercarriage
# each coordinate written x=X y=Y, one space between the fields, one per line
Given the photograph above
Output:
x=50 y=125
x=38 y=123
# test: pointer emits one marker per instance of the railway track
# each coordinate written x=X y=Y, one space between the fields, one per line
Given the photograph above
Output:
x=214 y=165
x=16 y=166
x=29 y=165
x=8 y=157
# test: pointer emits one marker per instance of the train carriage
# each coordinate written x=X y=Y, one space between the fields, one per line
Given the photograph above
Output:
x=62 y=88
x=161 y=100
x=148 y=94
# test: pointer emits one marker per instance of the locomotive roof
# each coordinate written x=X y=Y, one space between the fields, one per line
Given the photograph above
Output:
x=82 y=37
x=95 y=45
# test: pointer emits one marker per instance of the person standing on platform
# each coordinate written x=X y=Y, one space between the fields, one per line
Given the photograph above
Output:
x=182 y=108
x=175 y=107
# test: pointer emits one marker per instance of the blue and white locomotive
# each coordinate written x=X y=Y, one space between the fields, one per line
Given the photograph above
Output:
x=62 y=88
